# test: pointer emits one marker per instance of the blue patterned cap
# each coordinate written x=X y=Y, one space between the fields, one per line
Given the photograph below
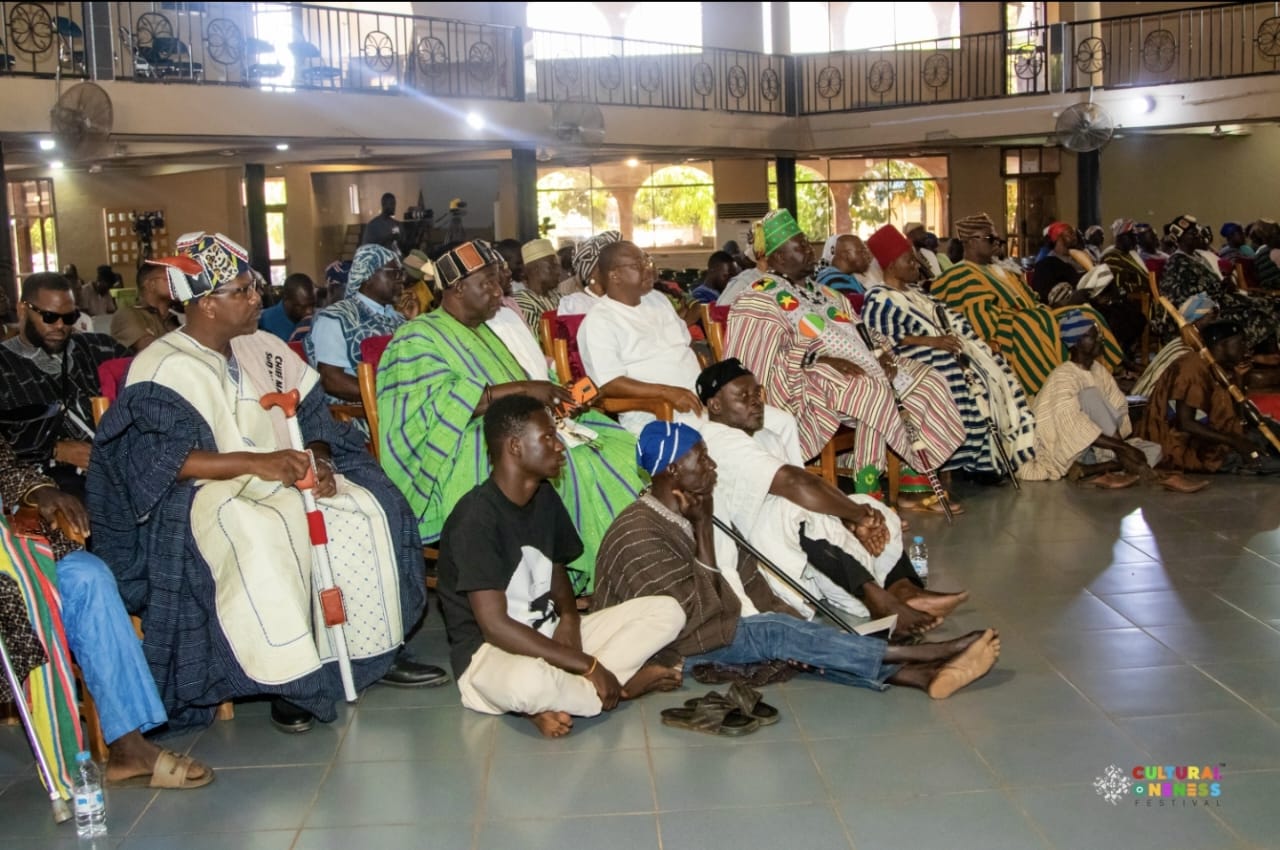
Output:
x=662 y=444
x=1074 y=325
x=1197 y=307
x=365 y=264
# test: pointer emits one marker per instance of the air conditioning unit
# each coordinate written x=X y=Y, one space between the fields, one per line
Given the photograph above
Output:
x=734 y=221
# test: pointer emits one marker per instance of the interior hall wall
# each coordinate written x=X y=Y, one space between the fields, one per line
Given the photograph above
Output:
x=475 y=184
x=195 y=200
x=976 y=185
x=1156 y=178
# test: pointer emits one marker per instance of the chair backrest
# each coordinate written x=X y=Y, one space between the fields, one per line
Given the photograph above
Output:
x=372 y=348
x=111 y=375
x=565 y=348
x=715 y=320
x=546 y=332
x=299 y=348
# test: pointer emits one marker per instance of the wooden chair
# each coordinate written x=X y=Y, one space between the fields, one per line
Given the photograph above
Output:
x=569 y=369
x=546 y=333
x=715 y=322
x=371 y=351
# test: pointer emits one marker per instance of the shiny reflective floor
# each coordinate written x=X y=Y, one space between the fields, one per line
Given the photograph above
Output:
x=1139 y=627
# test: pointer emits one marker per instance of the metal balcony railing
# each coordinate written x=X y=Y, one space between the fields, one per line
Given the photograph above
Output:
x=298 y=45
x=43 y=39
x=626 y=72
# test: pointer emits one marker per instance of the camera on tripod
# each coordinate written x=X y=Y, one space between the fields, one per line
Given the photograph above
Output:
x=145 y=225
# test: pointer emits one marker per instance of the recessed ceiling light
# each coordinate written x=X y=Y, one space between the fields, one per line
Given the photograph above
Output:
x=283 y=146
x=56 y=164
x=475 y=120
x=47 y=144
x=633 y=162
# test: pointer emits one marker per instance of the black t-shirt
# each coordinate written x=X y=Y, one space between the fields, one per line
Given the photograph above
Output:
x=489 y=543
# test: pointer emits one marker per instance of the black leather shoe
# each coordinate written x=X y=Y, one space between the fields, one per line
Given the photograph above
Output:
x=405 y=673
x=287 y=717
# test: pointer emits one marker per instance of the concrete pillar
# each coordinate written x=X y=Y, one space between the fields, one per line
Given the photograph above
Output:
x=736 y=26
x=255 y=176
x=524 y=168
x=786 y=173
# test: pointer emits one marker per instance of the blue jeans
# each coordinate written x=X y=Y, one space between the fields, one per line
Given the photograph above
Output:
x=849 y=659
x=107 y=648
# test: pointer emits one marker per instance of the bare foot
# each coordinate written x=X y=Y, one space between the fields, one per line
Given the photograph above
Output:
x=967 y=667
x=937 y=604
x=1180 y=484
x=552 y=724
x=655 y=677
x=939 y=651
x=1115 y=481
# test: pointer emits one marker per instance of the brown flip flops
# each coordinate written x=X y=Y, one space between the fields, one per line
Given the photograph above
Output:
x=169 y=773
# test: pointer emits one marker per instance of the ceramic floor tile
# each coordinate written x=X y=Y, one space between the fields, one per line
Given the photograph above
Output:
x=896 y=766
x=617 y=832
x=1261 y=601
x=281 y=839
x=247 y=799
x=986 y=819
x=1106 y=650
x=1249 y=807
x=415 y=734
x=1081 y=750
x=1077 y=818
x=810 y=827
x=840 y=711
x=1177 y=607
x=1255 y=682
x=397 y=792
x=1144 y=691
x=438 y=835
x=254 y=742
x=736 y=777
x=1240 y=740
x=573 y=783
x=25 y=811
x=620 y=729
x=1020 y=698
x=1209 y=642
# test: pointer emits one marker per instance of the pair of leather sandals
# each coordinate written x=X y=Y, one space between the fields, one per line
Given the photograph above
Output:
x=740 y=711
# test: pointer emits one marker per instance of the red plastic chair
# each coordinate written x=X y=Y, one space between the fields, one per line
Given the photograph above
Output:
x=111 y=376
x=299 y=349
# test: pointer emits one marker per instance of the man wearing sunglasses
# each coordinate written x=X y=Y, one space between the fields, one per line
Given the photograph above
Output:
x=49 y=372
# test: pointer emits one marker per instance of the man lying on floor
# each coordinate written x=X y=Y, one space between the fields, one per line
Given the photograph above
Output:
x=666 y=544
x=798 y=520
x=517 y=642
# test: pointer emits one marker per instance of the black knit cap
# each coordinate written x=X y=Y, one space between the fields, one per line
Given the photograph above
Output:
x=717 y=376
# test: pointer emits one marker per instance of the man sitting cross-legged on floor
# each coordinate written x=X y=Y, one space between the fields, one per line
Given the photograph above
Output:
x=1082 y=422
x=847 y=549
x=516 y=639
x=666 y=544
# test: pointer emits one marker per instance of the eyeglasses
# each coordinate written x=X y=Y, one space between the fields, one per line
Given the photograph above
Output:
x=49 y=317
x=646 y=265
x=395 y=275
x=990 y=239
x=237 y=291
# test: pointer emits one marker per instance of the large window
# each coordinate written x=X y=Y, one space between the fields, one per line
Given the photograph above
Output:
x=276 y=201
x=824 y=27
x=34 y=226
x=587 y=29
x=859 y=195
x=655 y=205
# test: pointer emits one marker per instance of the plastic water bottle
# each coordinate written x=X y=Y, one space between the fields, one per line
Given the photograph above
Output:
x=918 y=555
x=90 y=804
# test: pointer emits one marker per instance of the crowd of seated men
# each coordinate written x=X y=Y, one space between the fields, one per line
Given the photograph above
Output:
x=579 y=536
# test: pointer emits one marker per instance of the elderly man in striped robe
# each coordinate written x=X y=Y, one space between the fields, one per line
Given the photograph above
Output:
x=1004 y=311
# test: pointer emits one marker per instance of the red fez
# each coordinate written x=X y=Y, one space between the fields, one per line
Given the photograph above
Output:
x=888 y=244
x=1057 y=229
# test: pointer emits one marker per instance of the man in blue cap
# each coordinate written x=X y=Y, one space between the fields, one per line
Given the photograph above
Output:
x=1082 y=422
x=666 y=544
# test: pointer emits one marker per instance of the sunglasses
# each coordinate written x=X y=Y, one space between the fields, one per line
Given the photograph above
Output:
x=49 y=317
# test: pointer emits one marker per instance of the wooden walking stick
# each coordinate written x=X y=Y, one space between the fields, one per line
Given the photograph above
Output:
x=1250 y=410
x=329 y=594
x=913 y=431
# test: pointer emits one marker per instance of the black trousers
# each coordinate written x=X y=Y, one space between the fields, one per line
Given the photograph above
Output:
x=845 y=570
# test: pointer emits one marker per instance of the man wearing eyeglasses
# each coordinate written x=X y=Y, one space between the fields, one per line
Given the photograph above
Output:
x=49 y=373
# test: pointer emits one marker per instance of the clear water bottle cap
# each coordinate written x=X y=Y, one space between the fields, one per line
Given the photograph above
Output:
x=918 y=539
x=83 y=756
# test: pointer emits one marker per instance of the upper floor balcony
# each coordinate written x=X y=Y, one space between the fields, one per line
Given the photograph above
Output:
x=351 y=50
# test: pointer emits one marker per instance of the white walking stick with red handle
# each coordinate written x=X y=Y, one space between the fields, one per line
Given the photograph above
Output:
x=330 y=595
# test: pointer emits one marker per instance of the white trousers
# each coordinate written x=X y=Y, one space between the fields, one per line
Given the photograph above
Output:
x=623 y=638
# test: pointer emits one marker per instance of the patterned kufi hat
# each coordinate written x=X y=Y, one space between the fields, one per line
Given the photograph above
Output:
x=222 y=260
x=1181 y=225
x=186 y=277
x=453 y=266
x=778 y=227
x=1074 y=325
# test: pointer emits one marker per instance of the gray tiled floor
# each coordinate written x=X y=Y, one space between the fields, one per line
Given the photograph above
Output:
x=1138 y=626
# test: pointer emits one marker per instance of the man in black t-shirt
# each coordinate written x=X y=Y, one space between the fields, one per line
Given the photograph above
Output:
x=517 y=642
